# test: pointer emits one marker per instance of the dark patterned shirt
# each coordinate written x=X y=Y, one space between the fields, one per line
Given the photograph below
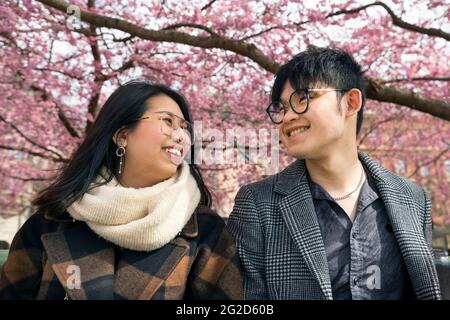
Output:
x=364 y=258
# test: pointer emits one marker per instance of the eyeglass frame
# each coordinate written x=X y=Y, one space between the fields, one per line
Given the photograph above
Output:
x=308 y=98
x=173 y=130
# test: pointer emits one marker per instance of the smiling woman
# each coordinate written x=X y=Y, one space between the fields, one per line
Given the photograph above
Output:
x=128 y=217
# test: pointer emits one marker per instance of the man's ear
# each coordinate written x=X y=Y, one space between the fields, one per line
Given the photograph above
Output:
x=354 y=102
x=120 y=137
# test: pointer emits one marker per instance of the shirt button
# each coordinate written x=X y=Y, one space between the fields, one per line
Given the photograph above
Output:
x=355 y=281
x=354 y=235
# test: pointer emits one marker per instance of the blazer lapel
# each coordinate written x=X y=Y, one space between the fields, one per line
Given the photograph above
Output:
x=82 y=262
x=407 y=228
x=297 y=209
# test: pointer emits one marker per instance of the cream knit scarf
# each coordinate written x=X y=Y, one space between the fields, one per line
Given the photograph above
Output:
x=141 y=219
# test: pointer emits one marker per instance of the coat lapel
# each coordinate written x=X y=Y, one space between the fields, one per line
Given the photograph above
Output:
x=297 y=210
x=138 y=276
x=407 y=228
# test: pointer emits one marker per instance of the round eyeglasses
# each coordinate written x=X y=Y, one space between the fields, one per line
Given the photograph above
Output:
x=174 y=126
x=299 y=101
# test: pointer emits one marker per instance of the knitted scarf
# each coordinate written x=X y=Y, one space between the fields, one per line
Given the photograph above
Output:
x=141 y=219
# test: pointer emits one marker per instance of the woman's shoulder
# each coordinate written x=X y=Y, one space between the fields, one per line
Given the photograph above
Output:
x=211 y=226
x=38 y=224
x=209 y=217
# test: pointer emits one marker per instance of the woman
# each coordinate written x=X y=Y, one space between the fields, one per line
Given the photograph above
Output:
x=127 y=218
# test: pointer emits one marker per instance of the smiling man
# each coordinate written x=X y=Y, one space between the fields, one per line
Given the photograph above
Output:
x=334 y=224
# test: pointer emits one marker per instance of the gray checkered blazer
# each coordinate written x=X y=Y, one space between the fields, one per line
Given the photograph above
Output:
x=281 y=248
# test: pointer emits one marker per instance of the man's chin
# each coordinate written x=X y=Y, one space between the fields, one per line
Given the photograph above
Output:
x=297 y=154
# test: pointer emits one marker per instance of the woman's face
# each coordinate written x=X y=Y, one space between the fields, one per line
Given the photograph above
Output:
x=152 y=154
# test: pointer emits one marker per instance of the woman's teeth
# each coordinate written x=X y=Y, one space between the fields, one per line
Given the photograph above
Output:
x=175 y=152
x=297 y=131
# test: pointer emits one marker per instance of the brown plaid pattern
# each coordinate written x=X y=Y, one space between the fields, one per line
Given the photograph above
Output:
x=200 y=263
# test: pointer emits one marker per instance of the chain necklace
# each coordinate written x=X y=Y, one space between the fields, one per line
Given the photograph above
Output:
x=361 y=179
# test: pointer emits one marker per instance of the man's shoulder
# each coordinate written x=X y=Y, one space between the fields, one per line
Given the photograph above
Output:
x=264 y=185
x=394 y=181
x=265 y=188
x=409 y=187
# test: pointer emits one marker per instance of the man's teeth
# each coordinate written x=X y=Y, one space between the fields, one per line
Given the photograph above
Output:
x=297 y=131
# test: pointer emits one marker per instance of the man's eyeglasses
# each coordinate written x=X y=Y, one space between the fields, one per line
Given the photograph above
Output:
x=298 y=101
x=174 y=126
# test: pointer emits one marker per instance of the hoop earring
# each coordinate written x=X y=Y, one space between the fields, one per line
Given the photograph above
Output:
x=120 y=152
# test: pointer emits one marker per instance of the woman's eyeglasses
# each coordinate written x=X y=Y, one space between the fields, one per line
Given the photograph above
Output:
x=174 y=126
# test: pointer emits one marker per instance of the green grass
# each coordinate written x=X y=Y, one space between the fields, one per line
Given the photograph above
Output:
x=3 y=256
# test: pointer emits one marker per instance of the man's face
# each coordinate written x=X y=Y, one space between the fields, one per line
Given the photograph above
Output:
x=312 y=135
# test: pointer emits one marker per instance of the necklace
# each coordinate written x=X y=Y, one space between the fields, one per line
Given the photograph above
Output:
x=361 y=179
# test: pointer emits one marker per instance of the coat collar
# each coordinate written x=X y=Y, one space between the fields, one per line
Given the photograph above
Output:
x=299 y=214
x=76 y=252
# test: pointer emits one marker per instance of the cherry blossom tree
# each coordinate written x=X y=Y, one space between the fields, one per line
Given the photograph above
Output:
x=61 y=60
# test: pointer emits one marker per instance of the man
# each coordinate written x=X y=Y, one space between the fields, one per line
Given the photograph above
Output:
x=334 y=224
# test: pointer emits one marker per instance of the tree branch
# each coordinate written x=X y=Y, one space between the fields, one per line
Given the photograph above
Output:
x=32 y=153
x=376 y=125
x=382 y=93
x=416 y=79
x=29 y=140
x=60 y=72
x=259 y=33
x=209 y=4
x=210 y=42
x=190 y=25
x=436 y=158
x=396 y=20
x=27 y=179
x=99 y=78
x=62 y=117
x=375 y=90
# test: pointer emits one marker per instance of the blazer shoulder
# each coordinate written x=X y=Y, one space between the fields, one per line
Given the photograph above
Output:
x=260 y=189
x=411 y=190
x=399 y=183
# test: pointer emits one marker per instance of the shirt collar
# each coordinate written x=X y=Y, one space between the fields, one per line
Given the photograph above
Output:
x=368 y=194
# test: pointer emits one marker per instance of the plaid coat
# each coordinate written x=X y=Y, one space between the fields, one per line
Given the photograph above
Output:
x=49 y=255
x=281 y=248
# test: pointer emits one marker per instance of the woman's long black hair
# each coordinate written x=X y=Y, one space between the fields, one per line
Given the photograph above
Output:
x=121 y=110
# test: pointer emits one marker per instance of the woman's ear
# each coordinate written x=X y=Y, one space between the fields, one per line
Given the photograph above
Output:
x=354 y=102
x=120 y=137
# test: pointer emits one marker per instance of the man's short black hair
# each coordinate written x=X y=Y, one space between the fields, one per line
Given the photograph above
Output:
x=329 y=66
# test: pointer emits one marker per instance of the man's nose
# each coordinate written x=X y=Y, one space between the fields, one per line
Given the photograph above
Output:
x=290 y=115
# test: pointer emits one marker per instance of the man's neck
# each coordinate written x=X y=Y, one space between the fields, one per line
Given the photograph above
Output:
x=337 y=173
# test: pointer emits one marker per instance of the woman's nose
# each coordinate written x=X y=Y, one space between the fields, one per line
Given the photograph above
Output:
x=177 y=135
